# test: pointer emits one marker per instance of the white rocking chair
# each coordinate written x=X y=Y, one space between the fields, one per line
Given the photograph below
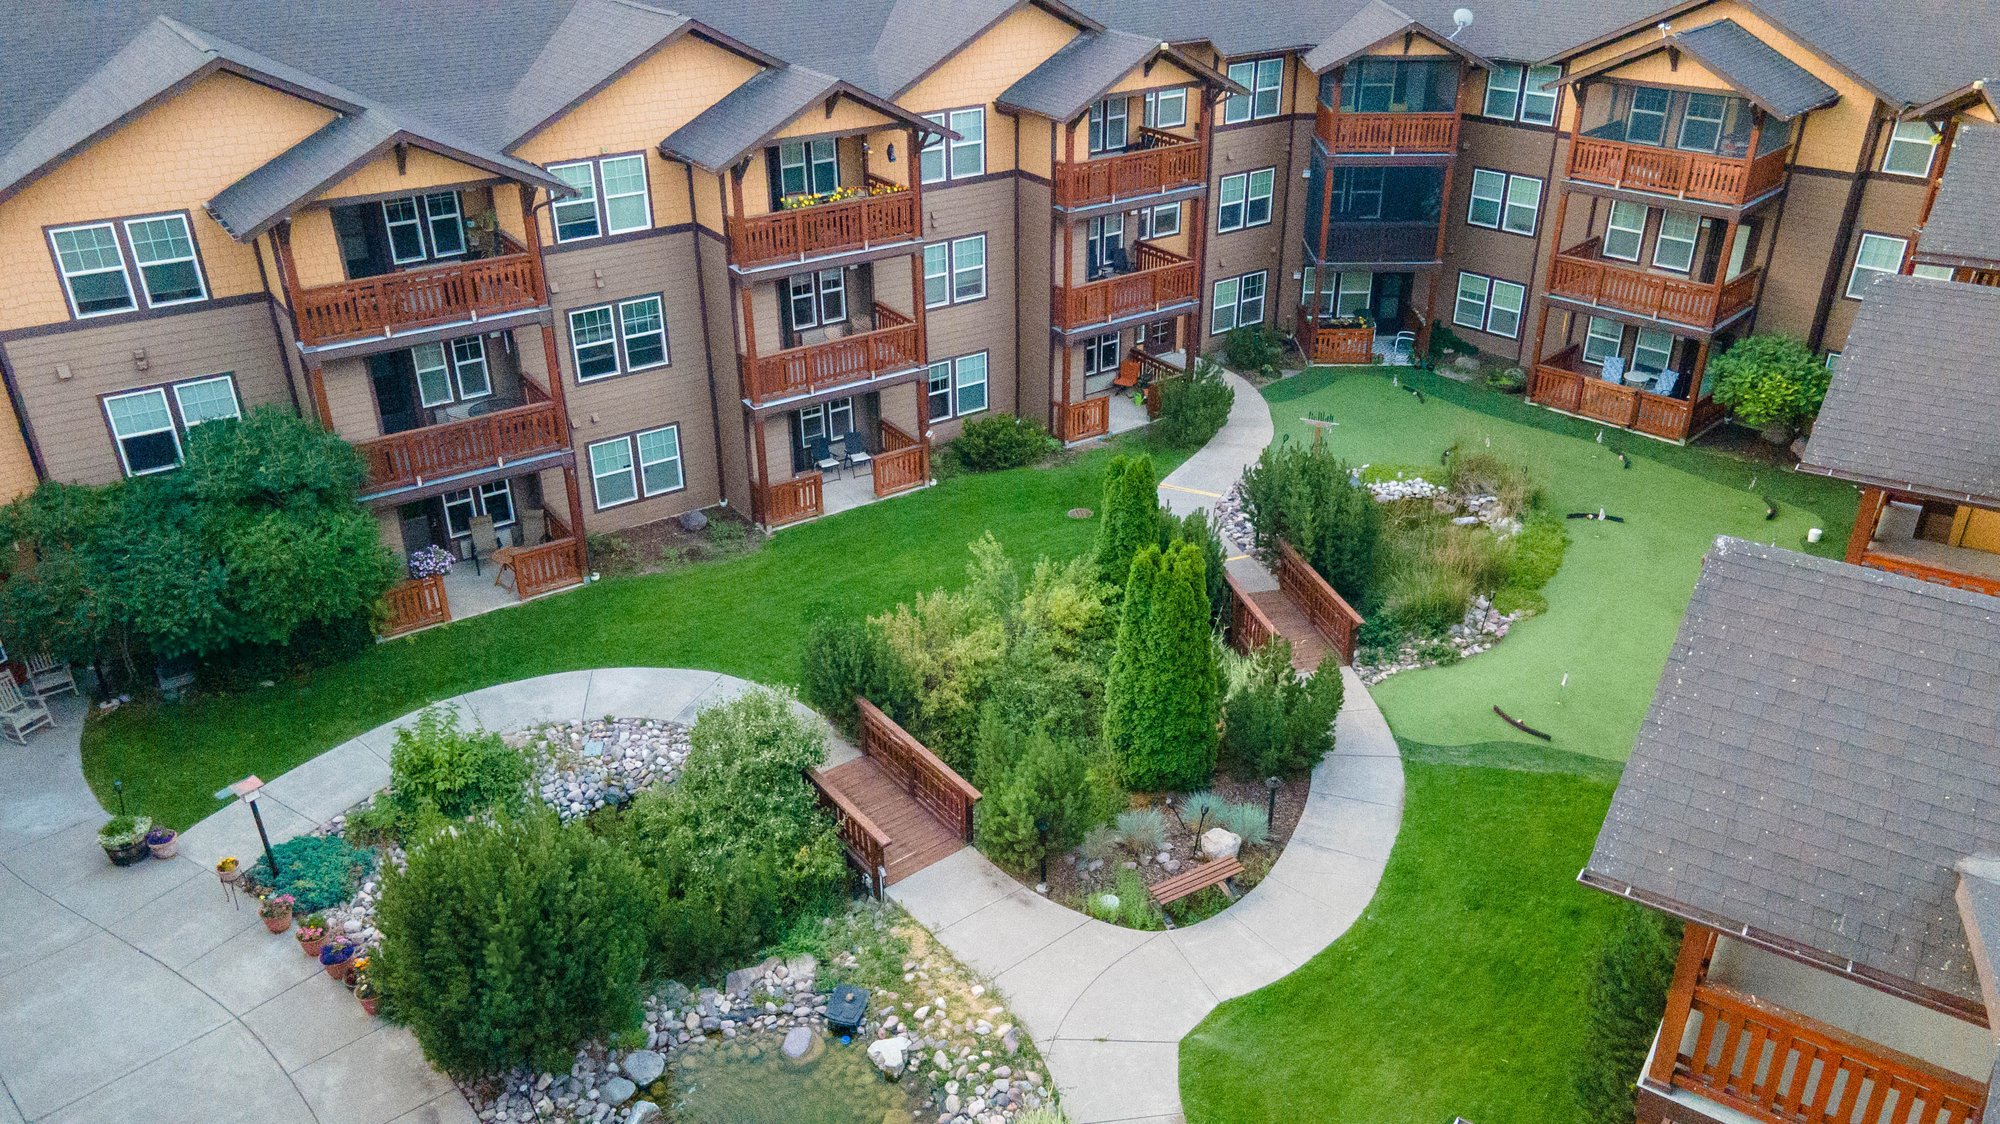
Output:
x=21 y=714
x=48 y=675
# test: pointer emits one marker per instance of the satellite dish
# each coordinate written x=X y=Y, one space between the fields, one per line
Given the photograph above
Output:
x=1462 y=17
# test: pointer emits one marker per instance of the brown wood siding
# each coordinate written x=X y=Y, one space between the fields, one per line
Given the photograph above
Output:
x=984 y=325
x=1032 y=260
x=1246 y=149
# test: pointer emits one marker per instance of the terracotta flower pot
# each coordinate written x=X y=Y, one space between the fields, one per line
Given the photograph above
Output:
x=368 y=1003
x=311 y=948
x=168 y=849
x=336 y=970
x=279 y=923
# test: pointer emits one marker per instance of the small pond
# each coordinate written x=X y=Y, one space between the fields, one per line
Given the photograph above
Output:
x=750 y=1081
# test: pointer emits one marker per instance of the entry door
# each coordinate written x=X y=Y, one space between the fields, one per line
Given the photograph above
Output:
x=1390 y=304
x=364 y=242
x=1103 y=245
x=396 y=402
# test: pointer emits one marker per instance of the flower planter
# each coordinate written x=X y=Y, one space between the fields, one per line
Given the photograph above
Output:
x=311 y=947
x=350 y=978
x=129 y=854
x=279 y=923
x=334 y=959
x=368 y=1004
x=164 y=842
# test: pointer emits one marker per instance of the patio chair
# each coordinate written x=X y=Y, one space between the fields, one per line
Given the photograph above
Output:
x=48 y=675
x=1667 y=383
x=484 y=539
x=21 y=714
x=820 y=451
x=1128 y=378
x=534 y=526
x=1614 y=368
x=1404 y=347
x=853 y=452
x=1118 y=261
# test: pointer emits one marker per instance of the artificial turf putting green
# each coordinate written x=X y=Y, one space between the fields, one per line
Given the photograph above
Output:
x=1460 y=991
x=1617 y=602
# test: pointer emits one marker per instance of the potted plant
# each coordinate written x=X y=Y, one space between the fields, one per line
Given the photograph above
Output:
x=124 y=839
x=164 y=842
x=228 y=871
x=312 y=934
x=276 y=910
x=364 y=990
x=355 y=968
x=334 y=956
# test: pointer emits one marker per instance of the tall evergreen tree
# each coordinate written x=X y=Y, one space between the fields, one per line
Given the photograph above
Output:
x=1131 y=516
x=1162 y=697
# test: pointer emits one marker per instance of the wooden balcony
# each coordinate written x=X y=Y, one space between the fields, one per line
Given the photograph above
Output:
x=1582 y=273
x=894 y=344
x=416 y=456
x=411 y=605
x=1563 y=382
x=903 y=463
x=1782 y=1067
x=1162 y=162
x=802 y=497
x=418 y=298
x=790 y=237
x=1080 y=421
x=1163 y=279
x=1330 y=345
x=1387 y=134
x=1730 y=181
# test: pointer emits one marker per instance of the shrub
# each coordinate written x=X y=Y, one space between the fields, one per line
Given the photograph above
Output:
x=1770 y=380
x=1248 y=821
x=738 y=850
x=436 y=768
x=1477 y=472
x=1277 y=723
x=1162 y=692
x=1143 y=830
x=1193 y=408
x=1198 y=531
x=1507 y=380
x=1199 y=810
x=506 y=945
x=1002 y=441
x=318 y=871
x=1625 y=999
x=1060 y=635
x=1306 y=496
x=1100 y=844
x=1131 y=517
x=1256 y=348
x=1430 y=569
x=1533 y=557
x=1134 y=908
x=948 y=648
x=608 y=552
x=844 y=657
x=1050 y=783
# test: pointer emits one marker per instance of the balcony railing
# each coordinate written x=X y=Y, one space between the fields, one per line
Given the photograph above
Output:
x=1380 y=242
x=1162 y=162
x=1391 y=134
x=1732 y=181
x=415 y=456
x=893 y=345
x=1332 y=345
x=1163 y=278
x=826 y=228
x=418 y=298
x=789 y=501
x=1560 y=383
x=1783 y=1067
x=1581 y=273
x=411 y=605
x=903 y=463
x=1089 y=418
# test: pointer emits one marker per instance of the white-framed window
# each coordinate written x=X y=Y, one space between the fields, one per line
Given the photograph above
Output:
x=93 y=269
x=433 y=374
x=576 y=216
x=808 y=167
x=495 y=499
x=660 y=460
x=1109 y=126
x=163 y=251
x=1245 y=200
x=1503 y=312
x=1539 y=95
x=423 y=227
x=813 y=299
x=1701 y=122
x=1162 y=221
x=1101 y=353
x=937 y=386
x=1911 y=148
x=405 y=224
x=146 y=425
x=1469 y=310
x=627 y=205
x=468 y=366
x=209 y=399
x=1674 y=247
x=955 y=271
x=829 y=419
x=1166 y=109
x=451 y=372
x=607 y=339
x=1652 y=351
x=1832 y=361
x=1265 y=79
x=445 y=224
x=1646 y=120
x=1352 y=292
x=1239 y=302
x=1932 y=272
x=1877 y=253
x=642 y=329
x=968 y=375
x=963 y=158
x=593 y=341
x=1503 y=91
x=1524 y=205
x=1602 y=339
x=612 y=479
x=1103 y=241
x=1625 y=231
x=1489 y=194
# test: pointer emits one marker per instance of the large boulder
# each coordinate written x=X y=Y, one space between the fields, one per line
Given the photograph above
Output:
x=889 y=1054
x=1220 y=843
x=645 y=1066
x=616 y=1091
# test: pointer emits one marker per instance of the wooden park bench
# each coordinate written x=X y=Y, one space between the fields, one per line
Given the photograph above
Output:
x=1194 y=879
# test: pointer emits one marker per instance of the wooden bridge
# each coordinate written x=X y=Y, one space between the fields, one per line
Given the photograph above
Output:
x=1303 y=609
x=899 y=807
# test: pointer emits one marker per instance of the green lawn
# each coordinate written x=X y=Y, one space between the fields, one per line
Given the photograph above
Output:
x=1458 y=992
x=743 y=616
x=1618 y=600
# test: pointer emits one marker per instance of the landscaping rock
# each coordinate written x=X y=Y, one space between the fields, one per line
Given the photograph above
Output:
x=693 y=520
x=616 y=1091
x=1220 y=843
x=798 y=1040
x=645 y=1066
x=645 y=1112
x=889 y=1054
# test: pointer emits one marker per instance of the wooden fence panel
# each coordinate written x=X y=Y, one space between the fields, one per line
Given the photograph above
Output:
x=414 y=604
x=1328 y=611
x=929 y=781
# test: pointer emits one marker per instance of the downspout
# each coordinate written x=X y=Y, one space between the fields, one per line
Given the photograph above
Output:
x=707 y=343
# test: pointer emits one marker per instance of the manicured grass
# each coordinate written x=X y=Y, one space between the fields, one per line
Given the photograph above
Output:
x=1460 y=991
x=1618 y=600
x=744 y=616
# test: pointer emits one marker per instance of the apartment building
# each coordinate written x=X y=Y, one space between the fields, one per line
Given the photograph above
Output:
x=624 y=262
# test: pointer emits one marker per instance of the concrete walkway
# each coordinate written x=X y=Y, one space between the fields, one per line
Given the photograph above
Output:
x=1108 y=1006
x=148 y=994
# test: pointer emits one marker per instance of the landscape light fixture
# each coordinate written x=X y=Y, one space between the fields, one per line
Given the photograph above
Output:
x=1271 y=807
x=246 y=791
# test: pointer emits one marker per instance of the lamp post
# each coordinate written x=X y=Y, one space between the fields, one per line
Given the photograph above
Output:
x=1042 y=834
x=246 y=791
x=1271 y=806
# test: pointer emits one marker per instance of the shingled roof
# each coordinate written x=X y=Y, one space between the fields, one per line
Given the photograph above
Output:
x=1375 y=22
x=1823 y=749
x=1752 y=67
x=1913 y=408
x=1961 y=229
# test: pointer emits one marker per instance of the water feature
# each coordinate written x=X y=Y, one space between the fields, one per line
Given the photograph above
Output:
x=748 y=1080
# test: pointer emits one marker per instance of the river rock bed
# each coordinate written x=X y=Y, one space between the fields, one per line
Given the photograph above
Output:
x=580 y=767
x=1482 y=628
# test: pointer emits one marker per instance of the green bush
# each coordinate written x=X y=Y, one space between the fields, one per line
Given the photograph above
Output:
x=844 y=657
x=1199 y=811
x=948 y=648
x=1277 y=723
x=1250 y=822
x=1306 y=496
x=1474 y=472
x=1770 y=380
x=1198 y=531
x=1054 y=784
x=1627 y=996
x=1253 y=349
x=1533 y=557
x=1059 y=636
x=1430 y=569
x=738 y=850
x=1135 y=908
x=1143 y=830
x=1162 y=693
x=506 y=945
x=1131 y=517
x=1002 y=441
x=1193 y=408
x=318 y=871
x=439 y=769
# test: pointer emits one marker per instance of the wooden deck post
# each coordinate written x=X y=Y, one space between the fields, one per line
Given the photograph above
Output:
x=1873 y=500
x=1697 y=942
